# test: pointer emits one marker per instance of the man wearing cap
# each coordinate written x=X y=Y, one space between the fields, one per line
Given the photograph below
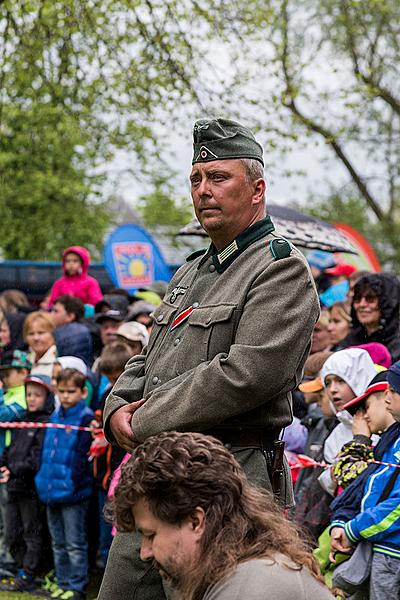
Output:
x=230 y=337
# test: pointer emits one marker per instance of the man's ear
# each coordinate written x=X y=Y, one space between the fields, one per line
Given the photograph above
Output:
x=259 y=191
x=70 y=317
x=198 y=521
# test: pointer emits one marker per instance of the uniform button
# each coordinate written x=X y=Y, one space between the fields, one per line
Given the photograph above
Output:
x=177 y=341
x=160 y=318
x=228 y=446
x=211 y=268
x=155 y=380
x=195 y=304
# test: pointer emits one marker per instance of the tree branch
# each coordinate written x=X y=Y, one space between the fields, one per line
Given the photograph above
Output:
x=312 y=125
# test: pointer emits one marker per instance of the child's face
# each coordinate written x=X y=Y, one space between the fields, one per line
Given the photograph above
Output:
x=72 y=264
x=376 y=414
x=13 y=377
x=35 y=397
x=392 y=400
x=5 y=334
x=339 y=392
x=70 y=394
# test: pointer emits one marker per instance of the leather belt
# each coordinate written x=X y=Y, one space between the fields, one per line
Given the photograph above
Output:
x=246 y=438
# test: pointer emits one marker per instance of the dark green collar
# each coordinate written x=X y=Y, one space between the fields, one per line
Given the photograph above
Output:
x=225 y=257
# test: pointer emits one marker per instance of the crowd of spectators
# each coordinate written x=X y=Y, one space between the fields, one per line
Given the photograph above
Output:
x=59 y=362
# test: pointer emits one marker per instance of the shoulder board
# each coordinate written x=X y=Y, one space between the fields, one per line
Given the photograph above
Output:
x=280 y=248
x=196 y=254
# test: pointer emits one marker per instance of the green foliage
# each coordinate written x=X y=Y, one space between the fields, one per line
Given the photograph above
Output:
x=161 y=207
x=79 y=79
x=327 y=75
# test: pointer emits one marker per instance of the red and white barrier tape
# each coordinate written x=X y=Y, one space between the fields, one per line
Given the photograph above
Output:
x=305 y=461
x=34 y=425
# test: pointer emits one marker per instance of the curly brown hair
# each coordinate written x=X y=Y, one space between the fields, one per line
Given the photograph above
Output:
x=178 y=472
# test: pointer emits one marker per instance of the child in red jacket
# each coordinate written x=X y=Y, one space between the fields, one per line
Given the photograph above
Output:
x=76 y=281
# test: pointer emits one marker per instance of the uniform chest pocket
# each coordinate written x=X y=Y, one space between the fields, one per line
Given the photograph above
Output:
x=215 y=326
x=162 y=317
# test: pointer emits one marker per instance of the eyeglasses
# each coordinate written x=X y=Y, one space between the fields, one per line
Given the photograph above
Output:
x=369 y=298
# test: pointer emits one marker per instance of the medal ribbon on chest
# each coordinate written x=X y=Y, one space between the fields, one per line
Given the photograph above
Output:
x=182 y=317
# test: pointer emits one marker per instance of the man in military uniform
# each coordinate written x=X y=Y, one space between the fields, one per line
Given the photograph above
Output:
x=230 y=337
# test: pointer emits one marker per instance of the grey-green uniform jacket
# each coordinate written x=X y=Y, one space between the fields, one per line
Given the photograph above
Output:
x=229 y=341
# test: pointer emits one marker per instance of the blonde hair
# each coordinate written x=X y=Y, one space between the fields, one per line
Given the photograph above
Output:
x=343 y=309
x=44 y=317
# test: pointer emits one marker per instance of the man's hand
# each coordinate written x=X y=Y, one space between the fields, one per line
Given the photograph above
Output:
x=120 y=425
x=339 y=543
x=360 y=425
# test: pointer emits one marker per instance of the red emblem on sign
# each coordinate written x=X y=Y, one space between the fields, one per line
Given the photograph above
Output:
x=182 y=317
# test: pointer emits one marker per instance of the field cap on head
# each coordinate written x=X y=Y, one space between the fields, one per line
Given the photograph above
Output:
x=378 y=384
x=219 y=139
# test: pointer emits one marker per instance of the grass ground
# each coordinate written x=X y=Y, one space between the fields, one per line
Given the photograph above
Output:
x=91 y=593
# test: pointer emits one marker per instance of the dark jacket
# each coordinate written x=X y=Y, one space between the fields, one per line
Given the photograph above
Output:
x=387 y=288
x=74 y=339
x=22 y=457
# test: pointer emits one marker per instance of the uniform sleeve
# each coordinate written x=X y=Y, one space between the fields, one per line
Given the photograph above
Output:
x=128 y=388
x=265 y=361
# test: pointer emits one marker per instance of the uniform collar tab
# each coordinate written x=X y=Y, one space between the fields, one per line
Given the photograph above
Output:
x=255 y=232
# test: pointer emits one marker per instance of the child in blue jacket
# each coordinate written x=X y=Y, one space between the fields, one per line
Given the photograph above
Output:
x=64 y=483
x=369 y=508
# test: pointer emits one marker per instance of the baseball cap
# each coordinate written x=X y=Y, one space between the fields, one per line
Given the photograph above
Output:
x=113 y=302
x=134 y=332
x=343 y=269
x=114 y=315
x=39 y=379
x=378 y=384
x=15 y=359
x=311 y=385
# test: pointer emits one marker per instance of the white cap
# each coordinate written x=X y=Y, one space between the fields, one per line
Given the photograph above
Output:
x=73 y=362
x=134 y=332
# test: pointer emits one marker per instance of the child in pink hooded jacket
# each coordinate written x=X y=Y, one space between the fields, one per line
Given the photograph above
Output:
x=75 y=281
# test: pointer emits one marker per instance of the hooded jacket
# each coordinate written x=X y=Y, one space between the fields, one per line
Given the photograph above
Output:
x=360 y=509
x=387 y=288
x=22 y=457
x=356 y=368
x=82 y=285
